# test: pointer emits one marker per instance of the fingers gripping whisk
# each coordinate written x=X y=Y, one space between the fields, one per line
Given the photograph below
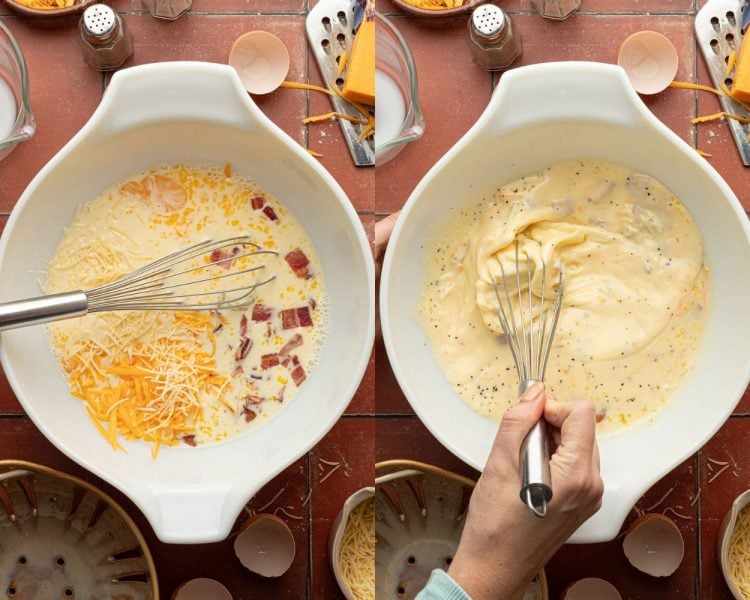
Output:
x=529 y=326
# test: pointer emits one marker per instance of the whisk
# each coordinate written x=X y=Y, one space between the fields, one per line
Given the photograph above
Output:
x=165 y=284
x=530 y=346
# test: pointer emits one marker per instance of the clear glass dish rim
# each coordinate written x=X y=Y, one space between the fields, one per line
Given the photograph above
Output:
x=25 y=115
x=414 y=87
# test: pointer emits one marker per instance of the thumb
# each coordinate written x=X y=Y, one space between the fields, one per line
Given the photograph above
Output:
x=519 y=419
x=383 y=230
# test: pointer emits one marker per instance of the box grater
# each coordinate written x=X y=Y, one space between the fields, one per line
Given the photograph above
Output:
x=329 y=32
x=718 y=29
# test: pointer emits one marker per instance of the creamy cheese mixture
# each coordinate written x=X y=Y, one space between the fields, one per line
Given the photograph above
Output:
x=634 y=305
x=188 y=377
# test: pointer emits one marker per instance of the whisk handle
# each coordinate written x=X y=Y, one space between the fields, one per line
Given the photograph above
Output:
x=536 y=489
x=32 y=311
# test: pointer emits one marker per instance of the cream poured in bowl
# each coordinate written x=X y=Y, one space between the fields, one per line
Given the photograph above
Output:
x=634 y=307
x=188 y=377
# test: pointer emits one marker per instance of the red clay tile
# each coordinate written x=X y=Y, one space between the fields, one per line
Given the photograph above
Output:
x=452 y=92
x=64 y=93
x=226 y=6
x=587 y=6
x=608 y=561
x=388 y=395
x=449 y=114
x=728 y=446
x=326 y=138
x=209 y=38
x=351 y=444
x=178 y=563
x=405 y=437
x=597 y=39
x=8 y=401
x=21 y=440
x=715 y=138
x=364 y=400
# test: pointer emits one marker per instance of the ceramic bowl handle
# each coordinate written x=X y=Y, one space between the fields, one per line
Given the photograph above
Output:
x=193 y=515
x=577 y=90
x=174 y=91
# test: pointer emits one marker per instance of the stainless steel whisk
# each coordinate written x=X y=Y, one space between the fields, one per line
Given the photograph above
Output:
x=530 y=352
x=160 y=285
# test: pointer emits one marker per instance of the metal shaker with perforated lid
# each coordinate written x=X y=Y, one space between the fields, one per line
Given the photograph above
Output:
x=105 y=41
x=495 y=42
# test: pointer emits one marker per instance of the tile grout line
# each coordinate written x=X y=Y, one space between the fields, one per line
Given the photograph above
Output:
x=698 y=568
x=308 y=581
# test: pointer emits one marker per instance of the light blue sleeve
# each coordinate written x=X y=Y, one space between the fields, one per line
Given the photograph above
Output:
x=442 y=587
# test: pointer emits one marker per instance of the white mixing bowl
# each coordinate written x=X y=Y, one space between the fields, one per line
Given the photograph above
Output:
x=195 y=113
x=539 y=115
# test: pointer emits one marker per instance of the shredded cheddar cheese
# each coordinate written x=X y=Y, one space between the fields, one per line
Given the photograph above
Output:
x=167 y=377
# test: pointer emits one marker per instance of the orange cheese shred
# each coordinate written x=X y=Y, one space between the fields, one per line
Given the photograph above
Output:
x=305 y=86
x=719 y=115
x=686 y=85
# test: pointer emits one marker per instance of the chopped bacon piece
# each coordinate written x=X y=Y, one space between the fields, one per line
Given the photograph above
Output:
x=250 y=399
x=190 y=440
x=298 y=373
x=258 y=202
x=600 y=415
x=223 y=257
x=295 y=342
x=248 y=413
x=270 y=213
x=242 y=350
x=296 y=317
x=298 y=262
x=243 y=326
x=269 y=360
x=238 y=371
x=261 y=312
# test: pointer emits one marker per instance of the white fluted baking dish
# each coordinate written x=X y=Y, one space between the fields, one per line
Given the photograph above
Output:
x=195 y=113
x=539 y=115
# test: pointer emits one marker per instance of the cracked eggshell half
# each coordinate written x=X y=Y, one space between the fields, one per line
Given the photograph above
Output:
x=201 y=589
x=265 y=545
x=654 y=545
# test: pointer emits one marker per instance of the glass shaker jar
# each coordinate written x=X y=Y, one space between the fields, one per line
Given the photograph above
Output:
x=105 y=41
x=495 y=43
x=556 y=9
x=167 y=9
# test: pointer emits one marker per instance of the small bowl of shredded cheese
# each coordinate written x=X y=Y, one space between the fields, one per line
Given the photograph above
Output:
x=734 y=547
x=437 y=8
x=352 y=546
x=49 y=8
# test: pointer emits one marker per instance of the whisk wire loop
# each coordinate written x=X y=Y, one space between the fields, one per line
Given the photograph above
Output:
x=530 y=350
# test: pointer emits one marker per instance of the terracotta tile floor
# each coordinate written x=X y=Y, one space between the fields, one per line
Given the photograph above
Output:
x=65 y=92
x=453 y=93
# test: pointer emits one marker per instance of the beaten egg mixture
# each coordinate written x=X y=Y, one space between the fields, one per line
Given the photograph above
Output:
x=634 y=303
x=188 y=377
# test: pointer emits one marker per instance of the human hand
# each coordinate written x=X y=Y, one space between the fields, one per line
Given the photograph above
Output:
x=503 y=545
x=383 y=229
